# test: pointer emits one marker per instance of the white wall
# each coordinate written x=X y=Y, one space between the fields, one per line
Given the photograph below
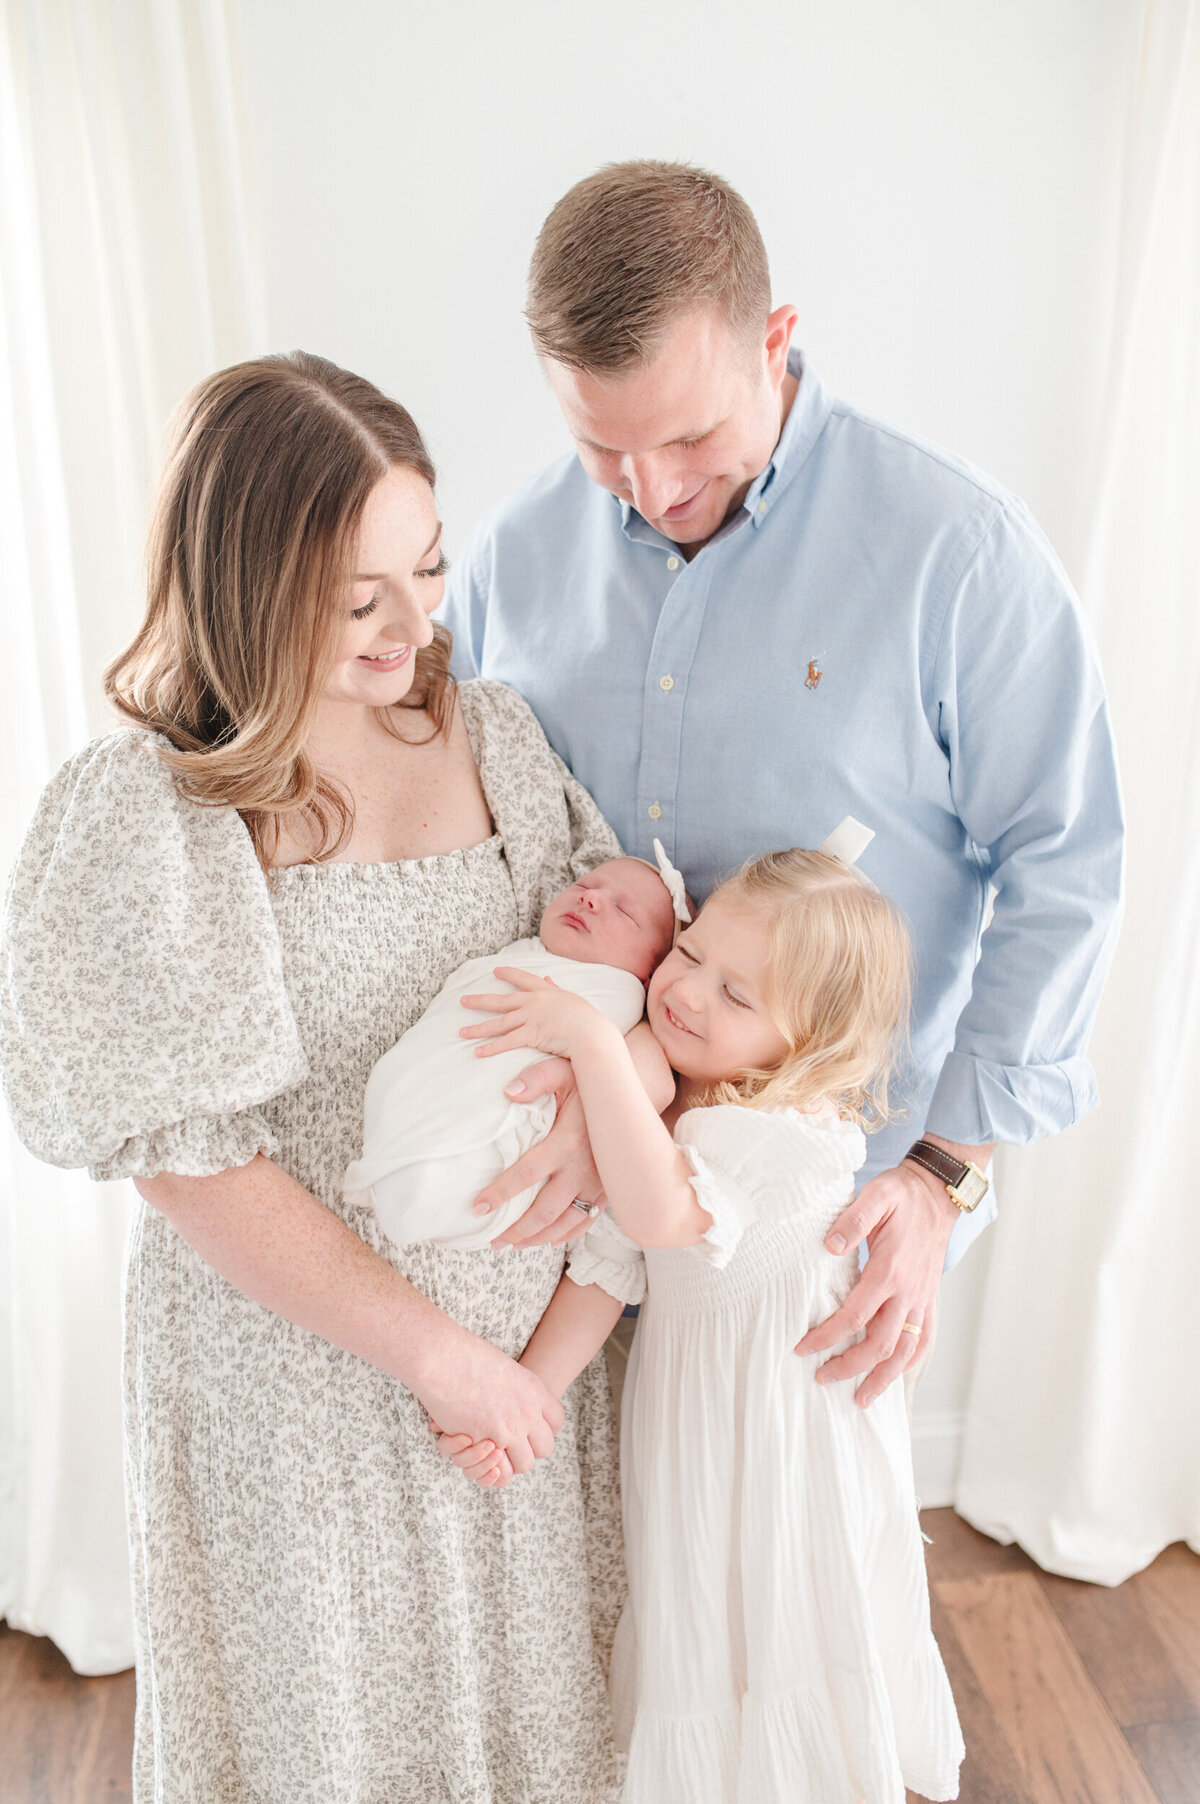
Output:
x=936 y=182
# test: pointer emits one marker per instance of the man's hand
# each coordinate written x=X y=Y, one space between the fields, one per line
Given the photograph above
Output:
x=561 y=1164
x=906 y=1217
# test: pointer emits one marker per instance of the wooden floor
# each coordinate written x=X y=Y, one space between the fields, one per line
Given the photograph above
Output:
x=1068 y=1693
x=63 y=1740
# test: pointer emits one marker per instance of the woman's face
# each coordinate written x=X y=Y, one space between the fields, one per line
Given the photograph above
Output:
x=396 y=582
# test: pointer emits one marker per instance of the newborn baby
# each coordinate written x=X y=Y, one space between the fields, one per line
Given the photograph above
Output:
x=438 y=1124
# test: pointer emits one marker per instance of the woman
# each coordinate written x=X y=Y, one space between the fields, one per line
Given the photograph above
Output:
x=222 y=916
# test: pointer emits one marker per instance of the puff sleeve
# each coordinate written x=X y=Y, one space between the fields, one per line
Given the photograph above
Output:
x=606 y=1256
x=766 y=1165
x=143 y=1014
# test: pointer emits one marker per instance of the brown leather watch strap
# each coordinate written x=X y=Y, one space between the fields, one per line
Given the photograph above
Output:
x=942 y=1164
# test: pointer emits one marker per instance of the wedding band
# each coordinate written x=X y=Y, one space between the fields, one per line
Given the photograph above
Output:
x=911 y=1328
x=586 y=1208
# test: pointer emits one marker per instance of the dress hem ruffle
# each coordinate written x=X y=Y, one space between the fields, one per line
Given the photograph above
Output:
x=787 y=1749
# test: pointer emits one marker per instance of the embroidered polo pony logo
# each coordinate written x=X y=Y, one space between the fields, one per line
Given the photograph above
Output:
x=815 y=672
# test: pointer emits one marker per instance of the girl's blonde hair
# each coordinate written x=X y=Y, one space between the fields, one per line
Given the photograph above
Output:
x=838 y=986
x=269 y=469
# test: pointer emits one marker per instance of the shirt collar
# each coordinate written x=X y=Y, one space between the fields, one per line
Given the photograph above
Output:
x=803 y=427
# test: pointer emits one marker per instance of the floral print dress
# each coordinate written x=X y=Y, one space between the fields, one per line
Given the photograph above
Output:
x=326 y=1610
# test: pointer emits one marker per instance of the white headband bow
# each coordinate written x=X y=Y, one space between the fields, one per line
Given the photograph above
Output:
x=847 y=843
x=676 y=888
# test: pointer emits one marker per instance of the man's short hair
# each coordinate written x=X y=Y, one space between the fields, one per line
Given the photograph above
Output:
x=630 y=248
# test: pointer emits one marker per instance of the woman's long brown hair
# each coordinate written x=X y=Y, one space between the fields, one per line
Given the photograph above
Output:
x=268 y=472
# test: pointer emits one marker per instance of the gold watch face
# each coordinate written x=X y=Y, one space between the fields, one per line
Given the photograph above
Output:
x=970 y=1189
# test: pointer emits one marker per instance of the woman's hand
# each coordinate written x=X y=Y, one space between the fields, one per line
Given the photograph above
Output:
x=560 y=1167
x=535 y=1012
x=476 y=1390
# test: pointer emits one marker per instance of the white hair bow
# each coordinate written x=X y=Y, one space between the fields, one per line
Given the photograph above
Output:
x=676 y=888
x=848 y=841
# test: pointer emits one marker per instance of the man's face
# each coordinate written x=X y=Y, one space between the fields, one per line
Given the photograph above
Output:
x=685 y=435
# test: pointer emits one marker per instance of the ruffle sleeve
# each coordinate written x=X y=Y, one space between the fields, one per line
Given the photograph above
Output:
x=726 y=1200
x=765 y=1164
x=606 y=1256
x=143 y=1014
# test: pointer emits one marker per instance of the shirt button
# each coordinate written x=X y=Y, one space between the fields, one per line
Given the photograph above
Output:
x=672 y=563
x=762 y=507
x=654 y=811
x=666 y=682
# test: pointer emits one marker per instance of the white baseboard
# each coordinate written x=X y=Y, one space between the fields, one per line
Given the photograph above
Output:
x=936 y=1439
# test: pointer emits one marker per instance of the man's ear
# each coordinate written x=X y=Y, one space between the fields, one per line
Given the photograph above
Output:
x=780 y=326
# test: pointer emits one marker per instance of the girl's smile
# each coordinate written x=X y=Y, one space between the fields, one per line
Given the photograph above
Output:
x=706 y=1003
x=675 y=1022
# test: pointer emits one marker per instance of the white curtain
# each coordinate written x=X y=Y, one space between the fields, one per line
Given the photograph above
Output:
x=129 y=267
x=1083 y=1436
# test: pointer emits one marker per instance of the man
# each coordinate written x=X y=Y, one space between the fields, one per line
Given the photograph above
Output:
x=743 y=610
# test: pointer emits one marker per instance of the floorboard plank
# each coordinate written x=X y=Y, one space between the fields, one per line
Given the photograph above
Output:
x=1171 y=1591
x=68 y=1740
x=991 y=1773
x=1068 y=1745
x=10 y=1661
x=1169 y=1754
x=1127 y=1660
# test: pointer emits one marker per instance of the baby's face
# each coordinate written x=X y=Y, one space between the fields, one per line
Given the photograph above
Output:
x=619 y=914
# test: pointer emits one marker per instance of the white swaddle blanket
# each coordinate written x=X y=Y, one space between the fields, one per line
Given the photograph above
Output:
x=438 y=1124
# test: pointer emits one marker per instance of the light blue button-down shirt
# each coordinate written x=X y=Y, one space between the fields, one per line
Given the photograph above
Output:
x=882 y=631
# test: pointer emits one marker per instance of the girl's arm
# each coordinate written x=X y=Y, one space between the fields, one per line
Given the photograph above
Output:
x=543 y=1220
x=644 y=1174
x=577 y=1322
x=279 y=1245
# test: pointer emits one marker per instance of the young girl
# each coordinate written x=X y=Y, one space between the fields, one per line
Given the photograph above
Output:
x=776 y=1646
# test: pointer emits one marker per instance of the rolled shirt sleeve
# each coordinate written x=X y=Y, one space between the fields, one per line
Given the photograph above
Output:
x=1020 y=708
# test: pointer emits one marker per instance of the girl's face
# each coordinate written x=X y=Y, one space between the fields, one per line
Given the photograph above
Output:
x=705 y=1002
x=396 y=582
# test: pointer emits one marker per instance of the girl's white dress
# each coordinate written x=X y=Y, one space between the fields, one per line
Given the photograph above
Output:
x=776 y=1646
